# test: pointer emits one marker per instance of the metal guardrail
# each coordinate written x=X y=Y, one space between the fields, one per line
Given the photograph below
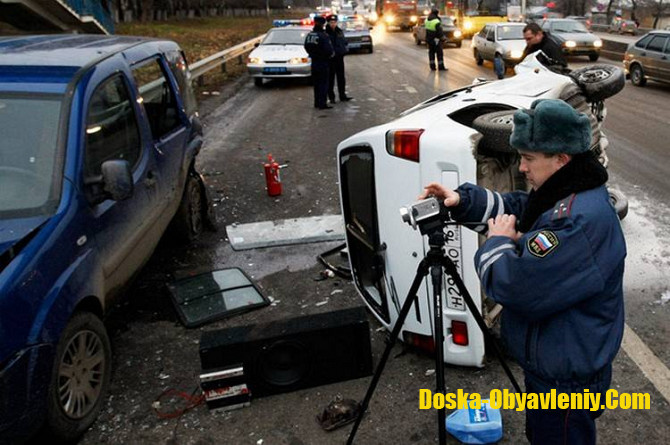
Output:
x=221 y=58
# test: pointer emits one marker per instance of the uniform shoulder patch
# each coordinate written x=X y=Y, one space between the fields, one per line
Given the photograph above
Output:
x=563 y=207
x=542 y=243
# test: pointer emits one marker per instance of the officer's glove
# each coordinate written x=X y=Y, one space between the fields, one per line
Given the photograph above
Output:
x=436 y=41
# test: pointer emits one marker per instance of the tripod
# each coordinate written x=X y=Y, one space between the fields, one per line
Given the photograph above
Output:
x=437 y=263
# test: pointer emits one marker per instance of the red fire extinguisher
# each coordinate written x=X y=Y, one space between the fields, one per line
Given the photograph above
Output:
x=272 y=178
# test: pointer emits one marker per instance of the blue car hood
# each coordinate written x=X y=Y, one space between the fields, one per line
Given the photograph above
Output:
x=14 y=230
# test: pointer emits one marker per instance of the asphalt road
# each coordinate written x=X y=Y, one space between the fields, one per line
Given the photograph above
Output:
x=153 y=352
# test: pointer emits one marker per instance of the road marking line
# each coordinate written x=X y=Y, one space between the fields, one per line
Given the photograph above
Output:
x=385 y=60
x=411 y=89
x=650 y=365
x=395 y=71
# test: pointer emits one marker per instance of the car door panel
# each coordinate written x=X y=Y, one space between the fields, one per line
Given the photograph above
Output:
x=121 y=226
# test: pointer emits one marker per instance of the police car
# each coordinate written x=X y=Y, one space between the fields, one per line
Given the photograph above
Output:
x=281 y=54
x=455 y=137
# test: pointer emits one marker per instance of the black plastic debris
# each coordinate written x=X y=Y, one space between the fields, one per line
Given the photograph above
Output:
x=214 y=295
x=338 y=413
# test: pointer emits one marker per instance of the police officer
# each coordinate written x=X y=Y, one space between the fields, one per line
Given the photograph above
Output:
x=538 y=40
x=320 y=50
x=337 y=63
x=434 y=36
x=558 y=273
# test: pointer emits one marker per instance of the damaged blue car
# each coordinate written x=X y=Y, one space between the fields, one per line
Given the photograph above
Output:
x=99 y=136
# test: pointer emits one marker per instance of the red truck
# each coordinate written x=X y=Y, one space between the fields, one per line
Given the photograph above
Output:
x=401 y=14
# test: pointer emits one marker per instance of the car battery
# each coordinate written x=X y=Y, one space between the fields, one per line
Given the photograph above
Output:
x=225 y=388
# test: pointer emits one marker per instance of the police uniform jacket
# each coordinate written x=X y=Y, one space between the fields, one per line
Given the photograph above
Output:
x=560 y=284
x=338 y=40
x=318 y=45
x=433 y=27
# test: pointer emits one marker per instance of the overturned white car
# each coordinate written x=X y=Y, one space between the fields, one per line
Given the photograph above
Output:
x=459 y=136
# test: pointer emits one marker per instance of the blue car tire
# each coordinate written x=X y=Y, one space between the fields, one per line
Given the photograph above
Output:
x=80 y=377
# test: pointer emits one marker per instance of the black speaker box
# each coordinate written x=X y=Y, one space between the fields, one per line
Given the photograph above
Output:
x=296 y=353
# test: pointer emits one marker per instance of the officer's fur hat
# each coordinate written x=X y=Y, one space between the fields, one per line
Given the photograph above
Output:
x=332 y=17
x=551 y=126
x=319 y=20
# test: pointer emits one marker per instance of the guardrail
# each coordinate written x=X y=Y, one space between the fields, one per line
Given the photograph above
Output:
x=221 y=58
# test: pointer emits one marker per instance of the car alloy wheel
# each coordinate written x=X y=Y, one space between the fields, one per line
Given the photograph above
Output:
x=80 y=374
x=80 y=378
x=637 y=76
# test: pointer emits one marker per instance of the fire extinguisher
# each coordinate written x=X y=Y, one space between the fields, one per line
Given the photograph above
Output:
x=272 y=178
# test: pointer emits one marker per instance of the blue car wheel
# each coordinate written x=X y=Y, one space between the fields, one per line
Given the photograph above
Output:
x=80 y=376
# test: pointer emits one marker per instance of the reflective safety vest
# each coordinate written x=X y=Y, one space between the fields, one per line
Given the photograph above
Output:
x=431 y=25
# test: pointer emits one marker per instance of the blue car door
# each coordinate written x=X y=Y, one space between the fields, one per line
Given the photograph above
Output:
x=122 y=228
x=168 y=130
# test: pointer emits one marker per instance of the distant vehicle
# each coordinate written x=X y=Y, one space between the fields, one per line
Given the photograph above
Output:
x=474 y=21
x=402 y=14
x=424 y=6
x=574 y=38
x=623 y=27
x=97 y=158
x=648 y=59
x=452 y=35
x=514 y=14
x=501 y=43
x=581 y=19
x=281 y=54
x=357 y=34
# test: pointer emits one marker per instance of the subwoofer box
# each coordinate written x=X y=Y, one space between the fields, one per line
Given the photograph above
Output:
x=296 y=353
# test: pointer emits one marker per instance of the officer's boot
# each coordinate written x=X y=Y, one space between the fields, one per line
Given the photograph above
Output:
x=442 y=67
x=432 y=66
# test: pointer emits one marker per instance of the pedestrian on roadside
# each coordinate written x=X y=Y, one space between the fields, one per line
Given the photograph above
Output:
x=559 y=273
x=337 y=62
x=320 y=50
x=434 y=36
x=537 y=40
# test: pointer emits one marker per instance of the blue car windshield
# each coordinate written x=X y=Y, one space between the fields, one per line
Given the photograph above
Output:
x=285 y=37
x=510 y=32
x=28 y=154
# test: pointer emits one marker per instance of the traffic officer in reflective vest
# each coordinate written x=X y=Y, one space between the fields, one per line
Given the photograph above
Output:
x=558 y=274
x=434 y=36
x=320 y=50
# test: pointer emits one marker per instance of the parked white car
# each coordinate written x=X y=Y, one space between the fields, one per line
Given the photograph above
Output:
x=458 y=136
x=281 y=54
x=501 y=43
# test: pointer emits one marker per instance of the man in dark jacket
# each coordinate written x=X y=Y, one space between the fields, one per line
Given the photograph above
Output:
x=538 y=40
x=320 y=50
x=337 y=62
x=559 y=272
x=434 y=36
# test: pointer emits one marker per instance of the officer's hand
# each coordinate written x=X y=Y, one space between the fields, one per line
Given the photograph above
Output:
x=450 y=197
x=503 y=225
x=436 y=41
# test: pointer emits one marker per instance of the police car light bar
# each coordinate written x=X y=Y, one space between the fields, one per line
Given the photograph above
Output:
x=287 y=22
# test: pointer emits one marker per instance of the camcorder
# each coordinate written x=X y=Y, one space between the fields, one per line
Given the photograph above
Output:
x=426 y=215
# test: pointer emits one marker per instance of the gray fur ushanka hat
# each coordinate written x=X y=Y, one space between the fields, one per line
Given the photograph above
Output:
x=551 y=126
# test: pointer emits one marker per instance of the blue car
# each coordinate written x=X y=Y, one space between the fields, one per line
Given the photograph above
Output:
x=98 y=140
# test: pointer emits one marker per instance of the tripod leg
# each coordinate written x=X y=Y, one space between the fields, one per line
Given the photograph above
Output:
x=421 y=273
x=436 y=275
x=451 y=270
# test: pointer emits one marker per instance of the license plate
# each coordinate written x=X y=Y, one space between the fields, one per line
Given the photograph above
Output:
x=275 y=69
x=354 y=45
